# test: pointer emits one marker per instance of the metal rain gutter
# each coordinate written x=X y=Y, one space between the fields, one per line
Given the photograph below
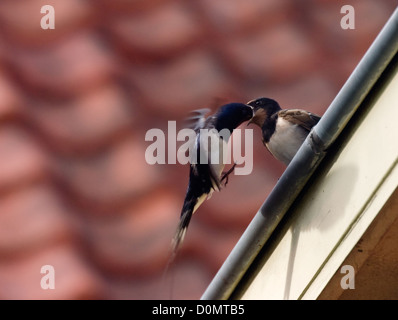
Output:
x=306 y=161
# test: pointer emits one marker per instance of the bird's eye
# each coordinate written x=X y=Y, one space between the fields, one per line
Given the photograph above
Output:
x=257 y=103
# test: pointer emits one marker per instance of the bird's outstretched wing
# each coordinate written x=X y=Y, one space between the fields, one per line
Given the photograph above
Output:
x=196 y=119
x=300 y=117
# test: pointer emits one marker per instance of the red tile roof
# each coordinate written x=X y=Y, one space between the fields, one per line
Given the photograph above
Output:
x=76 y=102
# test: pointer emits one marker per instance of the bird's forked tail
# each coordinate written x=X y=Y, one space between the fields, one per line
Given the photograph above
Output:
x=185 y=218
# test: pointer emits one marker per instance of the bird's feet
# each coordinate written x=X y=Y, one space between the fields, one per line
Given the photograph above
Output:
x=226 y=174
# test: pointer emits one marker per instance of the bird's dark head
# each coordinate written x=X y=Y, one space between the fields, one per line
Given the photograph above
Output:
x=231 y=115
x=263 y=108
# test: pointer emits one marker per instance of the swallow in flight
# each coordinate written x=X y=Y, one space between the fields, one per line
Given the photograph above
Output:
x=207 y=176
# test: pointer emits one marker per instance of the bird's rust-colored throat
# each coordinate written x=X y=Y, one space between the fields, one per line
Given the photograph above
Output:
x=259 y=117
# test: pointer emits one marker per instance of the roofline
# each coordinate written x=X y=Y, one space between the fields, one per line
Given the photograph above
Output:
x=307 y=159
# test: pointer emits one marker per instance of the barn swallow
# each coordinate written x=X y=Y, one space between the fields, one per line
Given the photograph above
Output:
x=284 y=131
x=207 y=176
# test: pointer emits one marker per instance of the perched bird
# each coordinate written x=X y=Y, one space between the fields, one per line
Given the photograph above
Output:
x=206 y=176
x=284 y=131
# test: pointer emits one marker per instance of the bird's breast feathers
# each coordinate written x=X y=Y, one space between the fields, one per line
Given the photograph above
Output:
x=213 y=149
x=286 y=140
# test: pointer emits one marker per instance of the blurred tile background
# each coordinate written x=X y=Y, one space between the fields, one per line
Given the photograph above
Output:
x=75 y=104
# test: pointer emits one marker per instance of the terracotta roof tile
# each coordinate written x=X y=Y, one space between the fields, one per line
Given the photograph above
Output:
x=350 y=42
x=159 y=33
x=74 y=279
x=21 y=158
x=277 y=55
x=11 y=101
x=242 y=15
x=213 y=244
x=77 y=101
x=78 y=63
x=188 y=279
x=185 y=280
x=161 y=84
x=87 y=122
x=20 y=20
x=136 y=241
x=114 y=175
x=241 y=198
x=32 y=218
x=123 y=6
x=322 y=90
